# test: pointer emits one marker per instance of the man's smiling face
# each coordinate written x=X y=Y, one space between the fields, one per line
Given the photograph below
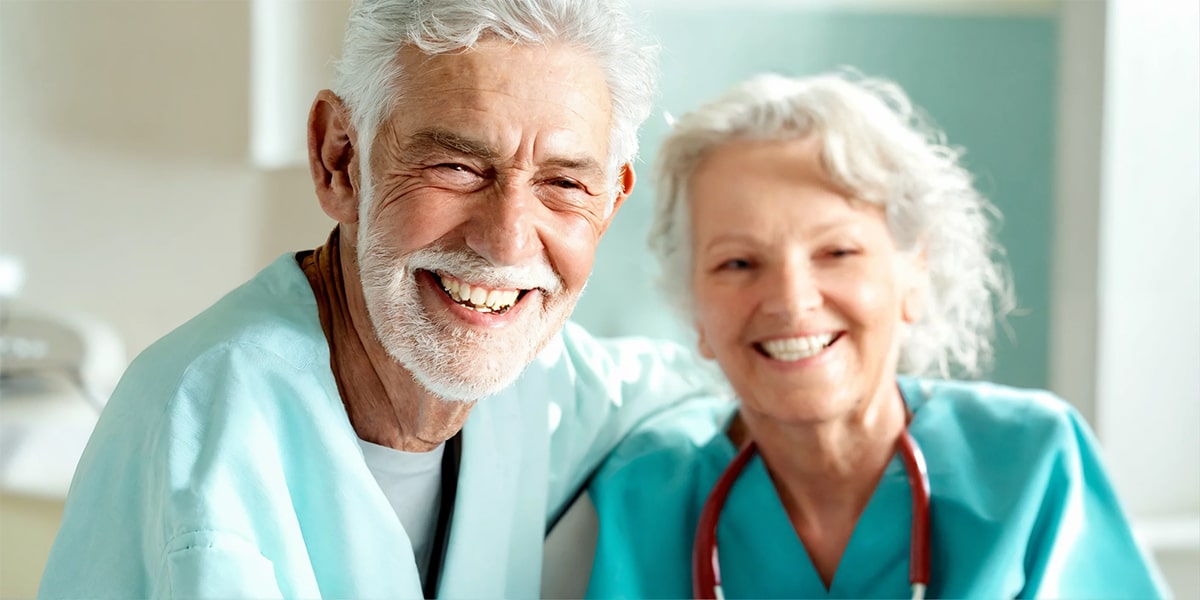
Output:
x=486 y=199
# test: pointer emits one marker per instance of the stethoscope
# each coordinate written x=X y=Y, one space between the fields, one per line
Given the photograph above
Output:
x=706 y=569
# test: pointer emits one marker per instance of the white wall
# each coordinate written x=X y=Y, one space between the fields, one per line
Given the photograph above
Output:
x=1125 y=343
x=1148 y=361
x=124 y=182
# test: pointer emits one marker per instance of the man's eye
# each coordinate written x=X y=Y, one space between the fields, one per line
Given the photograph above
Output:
x=734 y=264
x=566 y=184
x=840 y=252
x=458 y=168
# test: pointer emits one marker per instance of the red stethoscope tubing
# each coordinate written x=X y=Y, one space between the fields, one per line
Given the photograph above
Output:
x=706 y=568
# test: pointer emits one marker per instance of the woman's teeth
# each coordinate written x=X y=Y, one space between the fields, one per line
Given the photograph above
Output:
x=797 y=348
x=478 y=298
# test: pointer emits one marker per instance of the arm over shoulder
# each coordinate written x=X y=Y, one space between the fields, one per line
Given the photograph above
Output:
x=602 y=389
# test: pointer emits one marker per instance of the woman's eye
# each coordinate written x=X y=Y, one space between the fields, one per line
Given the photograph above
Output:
x=735 y=264
x=840 y=252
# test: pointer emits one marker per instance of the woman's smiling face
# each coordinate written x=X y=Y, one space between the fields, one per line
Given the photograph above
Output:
x=799 y=291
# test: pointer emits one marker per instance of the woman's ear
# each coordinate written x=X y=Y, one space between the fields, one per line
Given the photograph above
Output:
x=915 y=282
x=913 y=306
x=332 y=157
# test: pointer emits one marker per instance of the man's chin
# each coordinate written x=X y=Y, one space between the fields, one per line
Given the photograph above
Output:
x=463 y=365
x=453 y=389
x=463 y=375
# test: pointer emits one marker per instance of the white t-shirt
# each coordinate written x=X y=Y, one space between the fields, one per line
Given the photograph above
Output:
x=412 y=483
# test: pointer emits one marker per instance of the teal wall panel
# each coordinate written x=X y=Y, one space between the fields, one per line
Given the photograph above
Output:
x=988 y=81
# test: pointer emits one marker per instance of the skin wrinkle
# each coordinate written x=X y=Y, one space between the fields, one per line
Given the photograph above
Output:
x=400 y=163
x=425 y=145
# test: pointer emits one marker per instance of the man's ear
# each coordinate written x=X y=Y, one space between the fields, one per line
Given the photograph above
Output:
x=333 y=157
x=625 y=182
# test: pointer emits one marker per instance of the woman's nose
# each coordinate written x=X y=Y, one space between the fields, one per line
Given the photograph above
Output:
x=503 y=229
x=792 y=289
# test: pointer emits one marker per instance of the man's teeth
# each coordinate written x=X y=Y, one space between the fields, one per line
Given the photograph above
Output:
x=797 y=348
x=478 y=298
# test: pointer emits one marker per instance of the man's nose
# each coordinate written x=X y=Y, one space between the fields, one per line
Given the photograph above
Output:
x=503 y=228
x=792 y=289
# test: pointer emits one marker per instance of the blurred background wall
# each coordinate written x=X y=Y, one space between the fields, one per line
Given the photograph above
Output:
x=129 y=192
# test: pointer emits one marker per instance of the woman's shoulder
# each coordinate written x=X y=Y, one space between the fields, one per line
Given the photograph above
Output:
x=991 y=410
x=648 y=496
x=689 y=432
x=992 y=398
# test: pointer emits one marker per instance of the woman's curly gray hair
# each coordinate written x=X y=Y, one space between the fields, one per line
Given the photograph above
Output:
x=876 y=145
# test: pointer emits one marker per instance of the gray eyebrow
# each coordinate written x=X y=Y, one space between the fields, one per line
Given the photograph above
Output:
x=586 y=164
x=427 y=140
x=435 y=138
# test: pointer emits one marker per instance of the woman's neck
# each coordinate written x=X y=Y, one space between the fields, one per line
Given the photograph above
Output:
x=825 y=473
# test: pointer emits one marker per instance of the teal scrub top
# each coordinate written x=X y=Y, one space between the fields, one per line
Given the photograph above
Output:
x=225 y=466
x=1021 y=507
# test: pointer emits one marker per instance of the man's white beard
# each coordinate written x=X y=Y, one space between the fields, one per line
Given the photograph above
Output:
x=449 y=359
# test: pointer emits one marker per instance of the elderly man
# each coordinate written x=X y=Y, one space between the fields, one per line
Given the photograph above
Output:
x=359 y=420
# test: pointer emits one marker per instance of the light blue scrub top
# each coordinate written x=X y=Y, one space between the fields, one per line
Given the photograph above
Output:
x=224 y=466
x=1021 y=507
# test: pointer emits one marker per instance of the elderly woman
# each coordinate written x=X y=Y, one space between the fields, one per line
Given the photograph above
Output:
x=831 y=253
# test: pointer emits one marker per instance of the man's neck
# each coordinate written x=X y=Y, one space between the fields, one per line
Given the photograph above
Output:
x=384 y=402
x=405 y=416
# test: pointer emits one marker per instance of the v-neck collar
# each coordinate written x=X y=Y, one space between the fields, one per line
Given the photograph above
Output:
x=762 y=556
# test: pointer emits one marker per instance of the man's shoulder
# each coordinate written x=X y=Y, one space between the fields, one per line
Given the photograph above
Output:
x=266 y=328
x=274 y=311
x=214 y=413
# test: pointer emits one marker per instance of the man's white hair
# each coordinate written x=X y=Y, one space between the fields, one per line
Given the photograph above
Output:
x=370 y=81
x=875 y=145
